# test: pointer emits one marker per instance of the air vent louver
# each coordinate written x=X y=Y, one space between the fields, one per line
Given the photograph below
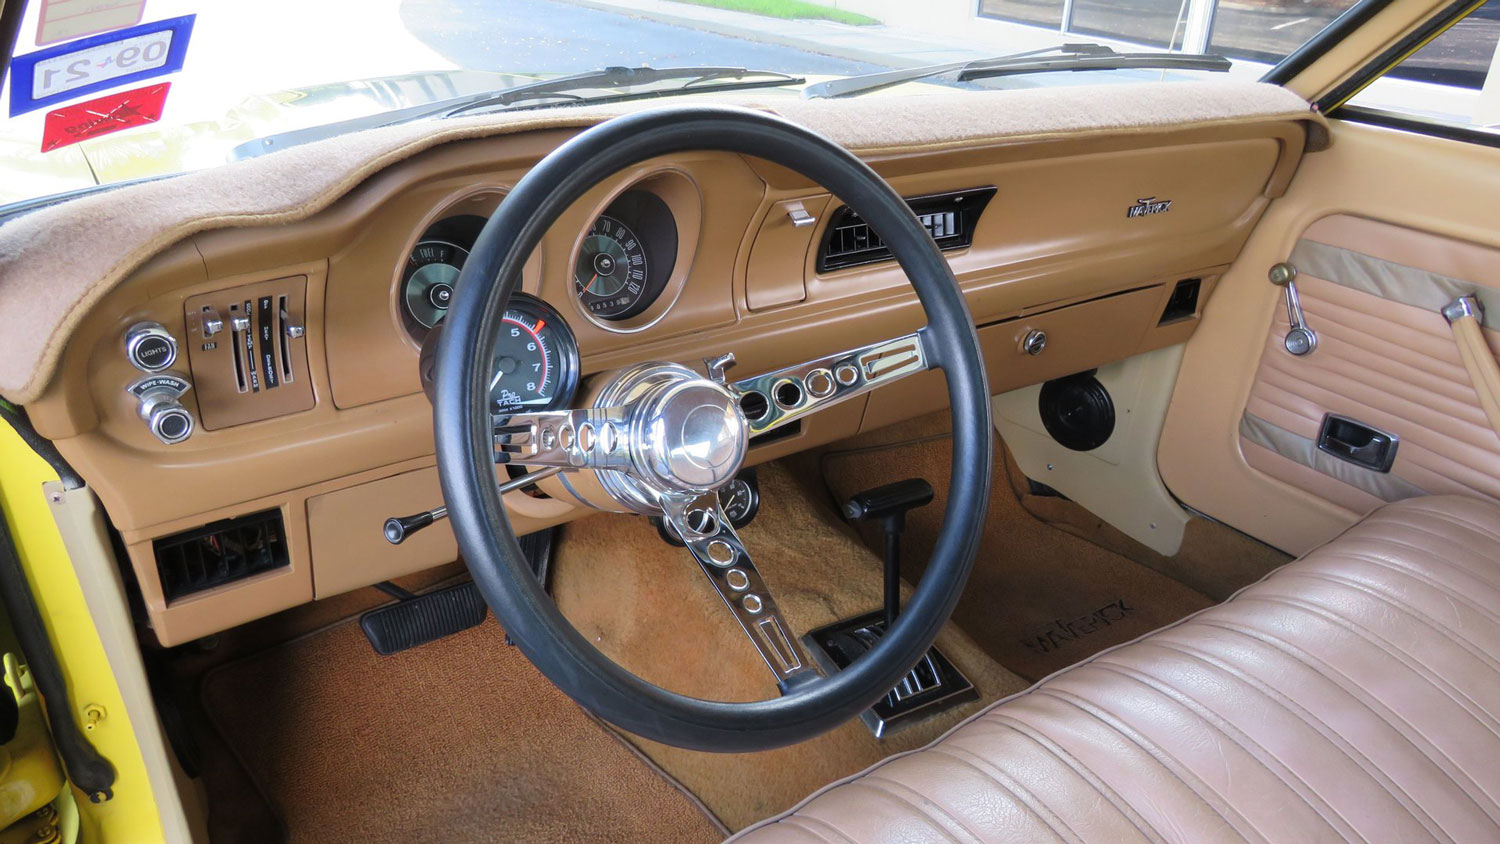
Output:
x=949 y=217
x=220 y=553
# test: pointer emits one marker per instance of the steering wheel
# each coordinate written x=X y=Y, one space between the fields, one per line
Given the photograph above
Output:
x=661 y=438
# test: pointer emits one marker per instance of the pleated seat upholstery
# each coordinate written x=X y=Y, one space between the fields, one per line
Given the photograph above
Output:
x=1351 y=695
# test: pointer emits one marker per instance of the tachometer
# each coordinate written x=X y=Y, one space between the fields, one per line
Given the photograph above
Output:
x=536 y=359
x=611 y=276
x=427 y=282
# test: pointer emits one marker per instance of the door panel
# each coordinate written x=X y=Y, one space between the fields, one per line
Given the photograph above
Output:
x=1385 y=228
x=1385 y=357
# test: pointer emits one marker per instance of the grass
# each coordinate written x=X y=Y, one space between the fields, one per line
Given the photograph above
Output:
x=789 y=9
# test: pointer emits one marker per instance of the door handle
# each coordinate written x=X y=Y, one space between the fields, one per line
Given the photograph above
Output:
x=1355 y=442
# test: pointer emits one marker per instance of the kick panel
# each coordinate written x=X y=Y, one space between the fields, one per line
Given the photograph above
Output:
x=248 y=352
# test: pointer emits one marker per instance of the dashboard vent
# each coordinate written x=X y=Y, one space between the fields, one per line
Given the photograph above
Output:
x=220 y=553
x=1184 y=301
x=949 y=217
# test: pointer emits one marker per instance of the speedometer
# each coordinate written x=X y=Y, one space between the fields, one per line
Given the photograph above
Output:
x=611 y=273
x=536 y=359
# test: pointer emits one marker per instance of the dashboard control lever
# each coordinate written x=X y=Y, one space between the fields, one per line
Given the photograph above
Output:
x=797 y=213
x=398 y=528
x=718 y=367
x=1300 y=340
x=212 y=323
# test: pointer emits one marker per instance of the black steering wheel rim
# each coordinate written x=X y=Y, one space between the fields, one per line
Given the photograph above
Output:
x=465 y=451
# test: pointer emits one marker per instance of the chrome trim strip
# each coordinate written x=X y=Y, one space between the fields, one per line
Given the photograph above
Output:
x=1413 y=286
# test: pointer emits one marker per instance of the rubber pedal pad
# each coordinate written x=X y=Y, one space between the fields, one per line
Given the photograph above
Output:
x=425 y=618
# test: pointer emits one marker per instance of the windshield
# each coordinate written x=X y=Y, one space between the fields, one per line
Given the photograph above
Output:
x=105 y=92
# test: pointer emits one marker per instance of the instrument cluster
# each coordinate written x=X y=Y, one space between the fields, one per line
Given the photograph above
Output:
x=623 y=262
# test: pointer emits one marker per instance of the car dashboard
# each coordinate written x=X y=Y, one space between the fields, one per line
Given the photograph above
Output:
x=249 y=404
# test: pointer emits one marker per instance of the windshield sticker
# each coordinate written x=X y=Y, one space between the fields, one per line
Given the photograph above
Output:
x=110 y=113
x=64 y=20
x=97 y=63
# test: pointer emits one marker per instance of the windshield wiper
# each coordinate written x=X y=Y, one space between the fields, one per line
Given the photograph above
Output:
x=1068 y=57
x=610 y=84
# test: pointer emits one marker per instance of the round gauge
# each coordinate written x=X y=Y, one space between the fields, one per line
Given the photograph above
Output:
x=740 y=499
x=536 y=359
x=427 y=282
x=612 y=275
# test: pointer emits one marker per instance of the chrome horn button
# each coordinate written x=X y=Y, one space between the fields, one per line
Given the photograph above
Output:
x=690 y=436
x=684 y=435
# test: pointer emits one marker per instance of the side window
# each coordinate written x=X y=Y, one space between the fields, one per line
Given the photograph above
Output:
x=1451 y=82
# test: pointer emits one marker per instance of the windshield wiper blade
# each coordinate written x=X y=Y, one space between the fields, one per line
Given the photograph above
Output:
x=697 y=79
x=1086 y=56
x=1113 y=61
x=615 y=82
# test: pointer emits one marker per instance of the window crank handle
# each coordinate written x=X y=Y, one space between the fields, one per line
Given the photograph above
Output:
x=1300 y=340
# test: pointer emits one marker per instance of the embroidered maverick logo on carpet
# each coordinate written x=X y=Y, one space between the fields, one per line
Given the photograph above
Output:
x=1062 y=631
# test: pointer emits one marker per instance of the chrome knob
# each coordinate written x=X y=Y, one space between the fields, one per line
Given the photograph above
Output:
x=1034 y=342
x=212 y=323
x=166 y=418
x=150 y=347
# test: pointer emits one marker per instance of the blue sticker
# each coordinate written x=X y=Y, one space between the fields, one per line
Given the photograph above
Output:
x=98 y=63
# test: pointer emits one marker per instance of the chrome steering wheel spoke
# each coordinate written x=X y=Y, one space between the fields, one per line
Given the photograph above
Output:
x=777 y=398
x=594 y=438
x=703 y=526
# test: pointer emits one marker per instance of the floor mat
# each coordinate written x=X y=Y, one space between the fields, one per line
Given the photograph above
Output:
x=456 y=740
x=649 y=606
x=1040 y=598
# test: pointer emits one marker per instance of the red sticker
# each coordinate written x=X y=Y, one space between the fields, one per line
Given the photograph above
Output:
x=74 y=123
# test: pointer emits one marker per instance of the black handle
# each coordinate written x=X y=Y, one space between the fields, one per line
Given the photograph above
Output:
x=398 y=528
x=888 y=500
x=1355 y=442
x=889 y=503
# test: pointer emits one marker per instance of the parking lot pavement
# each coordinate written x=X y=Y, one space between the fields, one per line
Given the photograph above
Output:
x=545 y=36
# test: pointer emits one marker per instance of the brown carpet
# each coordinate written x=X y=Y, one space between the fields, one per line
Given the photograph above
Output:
x=457 y=740
x=1214 y=559
x=649 y=606
x=1040 y=598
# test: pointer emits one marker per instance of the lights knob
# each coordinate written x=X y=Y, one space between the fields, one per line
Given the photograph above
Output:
x=150 y=347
